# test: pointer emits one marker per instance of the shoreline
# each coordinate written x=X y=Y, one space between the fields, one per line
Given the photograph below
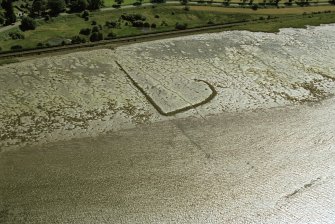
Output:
x=45 y=100
x=25 y=54
x=261 y=167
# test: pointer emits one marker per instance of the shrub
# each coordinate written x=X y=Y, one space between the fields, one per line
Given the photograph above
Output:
x=254 y=6
x=77 y=40
x=133 y=17
x=146 y=24
x=46 y=18
x=181 y=26
x=16 y=48
x=158 y=1
x=137 y=3
x=153 y=25
x=116 y=6
x=95 y=29
x=94 y=23
x=16 y=36
x=111 y=35
x=86 y=31
x=96 y=36
x=186 y=8
x=138 y=23
x=156 y=16
x=85 y=14
x=112 y=24
x=164 y=23
x=27 y=23
x=0 y=48
x=40 y=45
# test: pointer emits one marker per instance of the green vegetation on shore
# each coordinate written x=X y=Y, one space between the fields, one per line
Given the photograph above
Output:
x=113 y=24
x=300 y=21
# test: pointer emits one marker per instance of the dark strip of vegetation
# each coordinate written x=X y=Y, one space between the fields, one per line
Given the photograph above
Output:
x=158 y=108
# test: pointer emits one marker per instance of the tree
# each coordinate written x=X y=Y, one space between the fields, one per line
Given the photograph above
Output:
x=184 y=2
x=95 y=4
x=85 y=14
x=27 y=23
x=254 y=6
x=38 y=7
x=86 y=31
x=10 y=17
x=226 y=2
x=78 y=5
x=181 y=26
x=96 y=36
x=2 y=20
x=56 y=6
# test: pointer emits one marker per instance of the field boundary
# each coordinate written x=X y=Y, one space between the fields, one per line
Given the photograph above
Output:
x=174 y=112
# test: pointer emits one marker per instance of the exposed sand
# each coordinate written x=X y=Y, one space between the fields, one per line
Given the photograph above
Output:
x=273 y=167
x=86 y=93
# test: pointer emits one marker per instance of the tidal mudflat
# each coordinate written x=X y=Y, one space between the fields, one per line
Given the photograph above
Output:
x=88 y=93
x=272 y=166
x=232 y=127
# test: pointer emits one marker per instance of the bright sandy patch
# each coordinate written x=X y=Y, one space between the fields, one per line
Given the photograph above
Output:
x=86 y=93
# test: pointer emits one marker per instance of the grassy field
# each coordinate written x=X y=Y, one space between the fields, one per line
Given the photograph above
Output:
x=254 y=2
x=69 y=26
x=165 y=18
x=270 y=11
x=293 y=22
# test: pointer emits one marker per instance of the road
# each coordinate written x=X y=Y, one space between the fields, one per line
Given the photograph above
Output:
x=267 y=166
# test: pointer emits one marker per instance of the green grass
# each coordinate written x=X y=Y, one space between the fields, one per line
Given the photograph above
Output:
x=293 y=21
x=65 y=27
x=256 y=1
x=69 y=26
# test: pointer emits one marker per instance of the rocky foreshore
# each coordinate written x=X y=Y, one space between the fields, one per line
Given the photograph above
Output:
x=88 y=93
